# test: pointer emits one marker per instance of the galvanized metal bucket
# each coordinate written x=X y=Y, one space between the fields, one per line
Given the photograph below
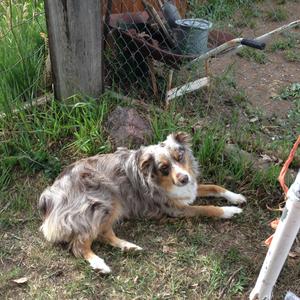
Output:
x=192 y=35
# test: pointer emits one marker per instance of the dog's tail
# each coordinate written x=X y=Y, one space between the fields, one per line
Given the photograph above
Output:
x=45 y=204
x=49 y=199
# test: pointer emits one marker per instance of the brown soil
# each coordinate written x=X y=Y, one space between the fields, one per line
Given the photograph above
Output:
x=263 y=82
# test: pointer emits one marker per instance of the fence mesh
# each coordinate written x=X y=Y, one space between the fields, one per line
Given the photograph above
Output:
x=141 y=46
x=149 y=44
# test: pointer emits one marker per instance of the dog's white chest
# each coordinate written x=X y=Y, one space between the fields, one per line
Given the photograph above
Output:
x=187 y=193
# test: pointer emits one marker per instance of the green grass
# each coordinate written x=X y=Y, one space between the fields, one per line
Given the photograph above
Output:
x=21 y=51
x=253 y=55
x=218 y=10
x=277 y=14
x=35 y=140
x=292 y=56
x=291 y=92
x=283 y=44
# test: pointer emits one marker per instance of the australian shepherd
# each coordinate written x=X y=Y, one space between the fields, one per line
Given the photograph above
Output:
x=93 y=194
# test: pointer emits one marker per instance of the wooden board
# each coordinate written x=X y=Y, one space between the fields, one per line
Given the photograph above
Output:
x=75 y=43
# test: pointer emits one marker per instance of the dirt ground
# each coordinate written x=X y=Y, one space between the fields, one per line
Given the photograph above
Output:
x=263 y=82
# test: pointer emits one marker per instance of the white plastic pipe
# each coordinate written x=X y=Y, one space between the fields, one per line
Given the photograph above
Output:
x=281 y=244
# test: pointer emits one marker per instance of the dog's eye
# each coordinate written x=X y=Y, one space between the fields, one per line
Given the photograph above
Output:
x=164 y=169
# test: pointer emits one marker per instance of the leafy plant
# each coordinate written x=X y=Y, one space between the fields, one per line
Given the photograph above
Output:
x=277 y=14
x=291 y=92
x=253 y=55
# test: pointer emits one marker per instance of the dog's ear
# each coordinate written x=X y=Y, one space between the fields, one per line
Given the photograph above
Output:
x=182 y=138
x=146 y=162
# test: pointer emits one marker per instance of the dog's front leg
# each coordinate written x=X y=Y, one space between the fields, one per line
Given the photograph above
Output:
x=211 y=190
x=226 y=212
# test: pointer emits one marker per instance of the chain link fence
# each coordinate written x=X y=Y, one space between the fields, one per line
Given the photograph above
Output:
x=149 y=44
x=142 y=48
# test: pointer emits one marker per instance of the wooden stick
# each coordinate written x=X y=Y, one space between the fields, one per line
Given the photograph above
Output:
x=134 y=101
x=160 y=4
x=153 y=13
x=39 y=101
x=107 y=20
x=153 y=78
x=169 y=86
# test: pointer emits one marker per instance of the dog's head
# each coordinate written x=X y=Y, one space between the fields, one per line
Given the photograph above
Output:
x=170 y=164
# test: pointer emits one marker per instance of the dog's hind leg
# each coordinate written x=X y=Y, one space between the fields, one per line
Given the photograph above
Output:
x=211 y=190
x=109 y=236
x=83 y=248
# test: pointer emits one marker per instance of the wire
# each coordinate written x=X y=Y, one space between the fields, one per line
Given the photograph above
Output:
x=286 y=166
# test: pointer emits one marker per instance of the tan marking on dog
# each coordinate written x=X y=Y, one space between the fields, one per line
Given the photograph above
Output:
x=187 y=165
x=111 y=238
x=175 y=154
x=163 y=160
x=165 y=182
x=95 y=261
x=193 y=211
x=182 y=138
x=113 y=217
x=85 y=249
x=108 y=235
x=173 y=176
x=205 y=211
x=206 y=190
x=145 y=161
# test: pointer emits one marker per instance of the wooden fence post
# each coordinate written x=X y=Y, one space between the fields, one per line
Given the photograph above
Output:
x=75 y=41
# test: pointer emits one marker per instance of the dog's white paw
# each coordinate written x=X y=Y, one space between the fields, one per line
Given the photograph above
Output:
x=98 y=264
x=127 y=246
x=230 y=211
x=234 y=198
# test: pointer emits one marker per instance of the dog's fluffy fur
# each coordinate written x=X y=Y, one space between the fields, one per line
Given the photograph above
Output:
x=91 y=195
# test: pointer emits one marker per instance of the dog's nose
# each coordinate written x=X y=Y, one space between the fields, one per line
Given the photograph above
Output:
x=182 y=178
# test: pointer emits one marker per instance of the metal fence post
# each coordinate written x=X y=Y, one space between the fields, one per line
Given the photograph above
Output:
x=75 y=41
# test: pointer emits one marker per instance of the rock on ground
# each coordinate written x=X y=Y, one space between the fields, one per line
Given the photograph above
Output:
x=127 y=128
